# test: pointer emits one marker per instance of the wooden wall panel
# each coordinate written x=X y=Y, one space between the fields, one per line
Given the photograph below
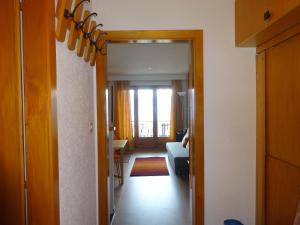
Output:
x=40 y=112
x=11 y=145
x=103 y=172
x=282 y=101
x=283 y=192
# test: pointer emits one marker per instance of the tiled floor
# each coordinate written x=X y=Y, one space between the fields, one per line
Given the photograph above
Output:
x=152 y=200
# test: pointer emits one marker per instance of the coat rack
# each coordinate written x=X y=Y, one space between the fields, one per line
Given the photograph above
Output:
x=83 y=31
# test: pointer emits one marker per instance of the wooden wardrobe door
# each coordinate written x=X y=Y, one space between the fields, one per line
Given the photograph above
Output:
x=282 y=132
x=40 y=112
x=283 y=193
x=12 y=209
x=283 y=101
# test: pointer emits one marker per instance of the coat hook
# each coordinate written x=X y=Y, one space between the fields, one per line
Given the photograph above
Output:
x=89 y=34
x=68 y=14
x=80 y=24
x=98 y=38
x=101 y=48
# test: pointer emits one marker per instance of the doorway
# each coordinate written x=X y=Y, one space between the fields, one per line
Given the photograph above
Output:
x=195 y=95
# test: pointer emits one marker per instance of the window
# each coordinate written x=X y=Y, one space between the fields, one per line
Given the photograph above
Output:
x=164 y=99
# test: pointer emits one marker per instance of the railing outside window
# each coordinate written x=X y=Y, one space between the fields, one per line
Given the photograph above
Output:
x=163 y=128
x=145 y=128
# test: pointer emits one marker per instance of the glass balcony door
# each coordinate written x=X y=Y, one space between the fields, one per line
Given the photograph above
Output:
x=164 y=99
x=145 y=113
x=151 y=116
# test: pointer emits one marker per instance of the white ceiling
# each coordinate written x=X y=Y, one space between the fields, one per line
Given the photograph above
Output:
x=148 y=61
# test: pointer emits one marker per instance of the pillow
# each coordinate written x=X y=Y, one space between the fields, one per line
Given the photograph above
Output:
x=185 y=140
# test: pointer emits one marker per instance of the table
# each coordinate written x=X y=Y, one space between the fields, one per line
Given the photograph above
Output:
x=120 y=145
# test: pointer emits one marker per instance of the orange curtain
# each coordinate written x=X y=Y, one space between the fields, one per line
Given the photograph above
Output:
x=122 y=112
x=176 y=109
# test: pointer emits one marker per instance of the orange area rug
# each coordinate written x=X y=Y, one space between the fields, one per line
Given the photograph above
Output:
x=152 y=166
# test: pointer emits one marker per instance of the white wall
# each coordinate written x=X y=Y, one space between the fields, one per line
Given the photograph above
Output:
x=76 y=144
x=146 y=58
x=229 y=92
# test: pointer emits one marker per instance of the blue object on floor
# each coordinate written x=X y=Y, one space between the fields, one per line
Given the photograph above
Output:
x=232 y=222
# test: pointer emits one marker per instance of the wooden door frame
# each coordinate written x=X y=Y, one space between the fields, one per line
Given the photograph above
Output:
x=260 y=138
x=197 y=153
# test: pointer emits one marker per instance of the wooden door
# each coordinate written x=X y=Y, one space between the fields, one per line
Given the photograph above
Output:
x=282 y=132
x=12 y=207
x=40 y=112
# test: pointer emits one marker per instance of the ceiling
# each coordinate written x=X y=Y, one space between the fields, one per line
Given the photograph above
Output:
x=151 y=61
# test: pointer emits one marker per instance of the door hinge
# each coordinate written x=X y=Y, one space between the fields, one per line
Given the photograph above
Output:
x=21 y=5
x=25 y=185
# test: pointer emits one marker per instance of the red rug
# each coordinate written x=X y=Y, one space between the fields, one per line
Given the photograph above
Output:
x=153 y=166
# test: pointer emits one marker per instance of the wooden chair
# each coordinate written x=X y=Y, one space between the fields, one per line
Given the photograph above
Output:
x=118 y=164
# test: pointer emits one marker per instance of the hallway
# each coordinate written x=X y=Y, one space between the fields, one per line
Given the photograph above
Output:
x=152 y=200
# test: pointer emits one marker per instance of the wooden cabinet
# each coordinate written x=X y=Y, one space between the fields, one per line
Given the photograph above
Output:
x=279 y=8
x=273 y=26
x=249 y=18
x=257 y=21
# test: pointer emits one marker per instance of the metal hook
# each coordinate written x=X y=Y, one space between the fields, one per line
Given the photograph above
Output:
x=89 y=34
x=67 y=14
x=80 y=24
